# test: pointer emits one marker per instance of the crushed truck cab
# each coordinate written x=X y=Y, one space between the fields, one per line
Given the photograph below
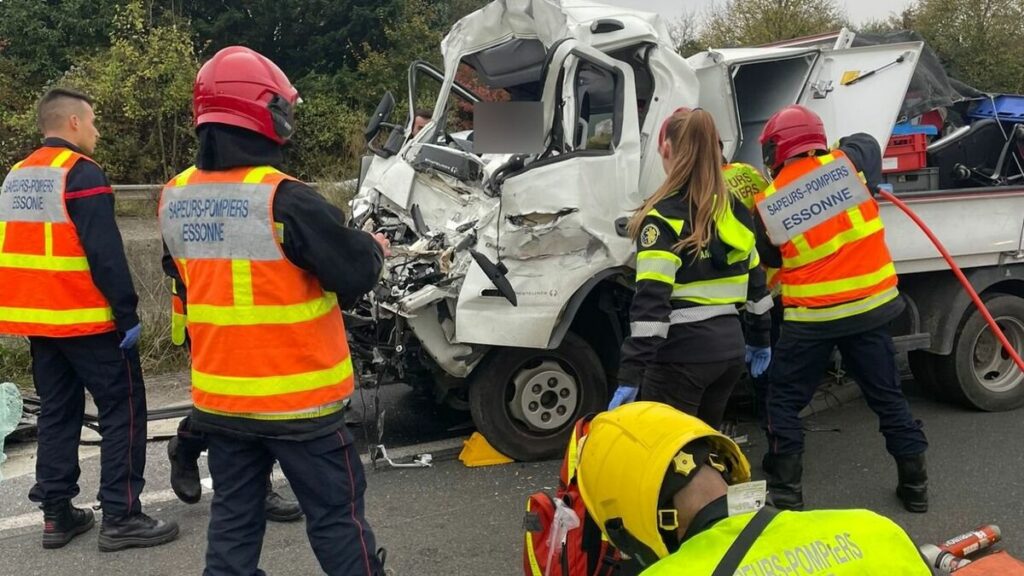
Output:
x=510 y=281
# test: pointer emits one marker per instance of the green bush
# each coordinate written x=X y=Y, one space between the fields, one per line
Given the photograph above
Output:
x=15 y=362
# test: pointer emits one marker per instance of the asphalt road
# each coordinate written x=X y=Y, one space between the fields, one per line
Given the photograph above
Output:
x=450 y=520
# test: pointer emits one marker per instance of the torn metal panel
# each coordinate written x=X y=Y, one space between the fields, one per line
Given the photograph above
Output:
x=550 y=22
x=425 y=296
x=457 y=360
x=558 y=235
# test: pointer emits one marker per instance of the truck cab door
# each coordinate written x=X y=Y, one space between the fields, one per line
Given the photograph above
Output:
x=555 y=226
x=850 y=101
x=590 y=106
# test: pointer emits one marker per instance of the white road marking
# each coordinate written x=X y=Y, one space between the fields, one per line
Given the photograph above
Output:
x=152 y=498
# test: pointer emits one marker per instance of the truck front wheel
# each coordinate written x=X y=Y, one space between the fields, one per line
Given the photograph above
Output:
x=525 y=401
x=979 y=372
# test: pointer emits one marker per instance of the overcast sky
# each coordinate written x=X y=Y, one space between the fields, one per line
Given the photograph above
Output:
x=858 y=10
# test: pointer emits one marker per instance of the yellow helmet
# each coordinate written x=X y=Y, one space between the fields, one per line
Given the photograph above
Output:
x=624 y=461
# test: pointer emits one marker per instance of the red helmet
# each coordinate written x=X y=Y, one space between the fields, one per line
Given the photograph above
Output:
x=790 y=132
x=241 y=87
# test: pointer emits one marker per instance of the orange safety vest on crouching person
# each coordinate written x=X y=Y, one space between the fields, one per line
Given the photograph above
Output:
x=268 y=343
x=46 y=287
x=840 y=267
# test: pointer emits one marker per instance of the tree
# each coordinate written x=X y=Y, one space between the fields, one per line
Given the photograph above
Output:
x=44 y=38
x=685 y=32
x=301 y=36
x=892 y=23
x=754 y=22
x=979 y=41
x=142 y=86
x=39 y=41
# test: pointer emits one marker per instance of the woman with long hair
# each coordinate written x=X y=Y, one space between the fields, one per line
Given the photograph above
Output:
x=697 y=266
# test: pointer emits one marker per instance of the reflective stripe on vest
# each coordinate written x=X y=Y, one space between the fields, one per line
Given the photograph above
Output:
x=178 y=319
x=838 y=312
x=834 y=542
x=531 y=553
x=47 y=288
x=680 y=316
x=839 y=267
x=268 y=343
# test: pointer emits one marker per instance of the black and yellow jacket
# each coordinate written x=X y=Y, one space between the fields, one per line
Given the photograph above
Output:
x=686 y=308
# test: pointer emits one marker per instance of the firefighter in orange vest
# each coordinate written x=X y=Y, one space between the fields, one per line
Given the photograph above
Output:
x=264 y=261
x=66 y=286
x=184 y=449
x=819 y=224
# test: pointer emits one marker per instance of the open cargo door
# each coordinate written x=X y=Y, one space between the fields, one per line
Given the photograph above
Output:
x=861 y=89
x=716 y=96
x=743 y=87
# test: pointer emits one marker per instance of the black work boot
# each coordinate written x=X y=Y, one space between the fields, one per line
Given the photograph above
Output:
x=184 y=474
x=912 y=488
x=62 y=522
x=136 y=531
x=279 y=508
x=784 y=473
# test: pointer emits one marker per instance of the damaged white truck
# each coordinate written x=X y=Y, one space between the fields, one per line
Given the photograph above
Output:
x=509 y=285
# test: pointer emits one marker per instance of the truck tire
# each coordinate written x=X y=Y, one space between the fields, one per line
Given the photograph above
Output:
x=525 y=401
x=979 y=373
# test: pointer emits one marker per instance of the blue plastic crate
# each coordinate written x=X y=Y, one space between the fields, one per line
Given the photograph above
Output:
x=1007 y=109
x=904 y=128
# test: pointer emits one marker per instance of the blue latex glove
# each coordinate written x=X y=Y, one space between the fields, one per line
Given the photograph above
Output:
x=131 y=337
x=624 y=394
x=759 y=359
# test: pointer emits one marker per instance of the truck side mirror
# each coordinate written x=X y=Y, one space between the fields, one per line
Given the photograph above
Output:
x=380 y=120
x=380 y=116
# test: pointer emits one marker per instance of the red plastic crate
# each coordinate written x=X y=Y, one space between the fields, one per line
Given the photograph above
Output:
x=906 y=153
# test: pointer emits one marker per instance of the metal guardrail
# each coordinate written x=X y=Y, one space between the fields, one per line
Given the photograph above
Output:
x=137 y=192
x=150 y=192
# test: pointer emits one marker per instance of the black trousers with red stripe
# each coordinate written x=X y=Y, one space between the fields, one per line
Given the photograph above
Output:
x=328 y=480
x=63 y=369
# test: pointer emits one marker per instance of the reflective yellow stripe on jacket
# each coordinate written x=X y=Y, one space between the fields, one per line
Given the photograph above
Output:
x=731 y=290
x=272 y=385
x=57 y=317
x=803 y=314
x=657 y=265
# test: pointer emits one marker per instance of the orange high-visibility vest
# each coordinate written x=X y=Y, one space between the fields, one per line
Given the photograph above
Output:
x=46 y=288
x=840 y=267
x=268 y=343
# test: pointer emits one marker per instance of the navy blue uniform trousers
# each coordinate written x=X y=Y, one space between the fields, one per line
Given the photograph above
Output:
x=798 y=366
x=63 y=368
x=328 y=480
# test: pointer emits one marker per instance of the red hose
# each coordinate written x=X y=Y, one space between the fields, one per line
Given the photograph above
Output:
x=959 y=276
